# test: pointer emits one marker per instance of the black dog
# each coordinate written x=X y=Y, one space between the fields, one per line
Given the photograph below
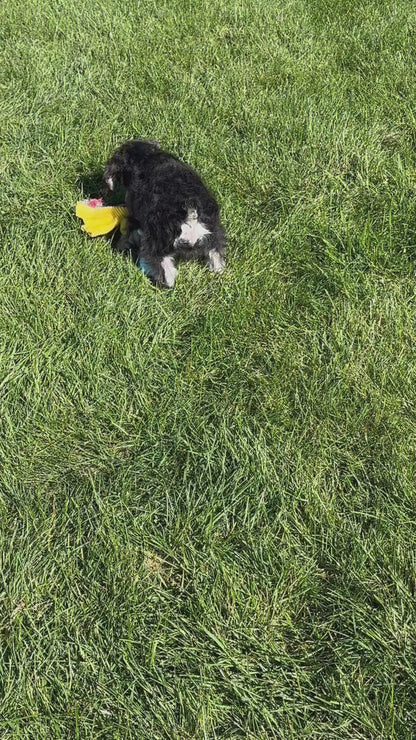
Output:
x=169 y=206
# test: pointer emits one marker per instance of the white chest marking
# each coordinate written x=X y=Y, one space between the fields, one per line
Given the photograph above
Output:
x=191 y=229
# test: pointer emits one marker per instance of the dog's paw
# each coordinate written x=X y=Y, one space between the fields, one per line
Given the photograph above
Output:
x=216 y=262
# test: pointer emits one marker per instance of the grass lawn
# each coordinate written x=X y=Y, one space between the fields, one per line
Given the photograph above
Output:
x=208 y=495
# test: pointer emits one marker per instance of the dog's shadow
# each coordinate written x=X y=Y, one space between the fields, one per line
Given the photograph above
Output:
x=92 y=185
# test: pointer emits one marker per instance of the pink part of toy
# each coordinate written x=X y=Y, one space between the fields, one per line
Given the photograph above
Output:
x=95 y=202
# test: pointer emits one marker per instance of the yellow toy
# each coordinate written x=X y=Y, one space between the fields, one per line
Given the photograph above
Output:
x=98 y=219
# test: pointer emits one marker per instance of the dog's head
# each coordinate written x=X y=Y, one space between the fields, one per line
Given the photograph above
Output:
x=128 y=157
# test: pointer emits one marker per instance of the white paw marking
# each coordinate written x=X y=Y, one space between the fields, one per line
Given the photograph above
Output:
x=170 y=270
x=216 y=262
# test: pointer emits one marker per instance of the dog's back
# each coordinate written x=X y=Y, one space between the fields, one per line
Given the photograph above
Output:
x=156 y=181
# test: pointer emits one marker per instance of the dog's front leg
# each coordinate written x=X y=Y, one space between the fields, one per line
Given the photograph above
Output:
x=215 y=252
x=169 y=270
x=216 y=261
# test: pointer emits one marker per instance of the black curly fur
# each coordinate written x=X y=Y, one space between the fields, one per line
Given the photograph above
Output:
x=161 y=193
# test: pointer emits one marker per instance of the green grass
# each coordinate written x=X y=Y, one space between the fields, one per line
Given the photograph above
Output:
x=208 y=495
